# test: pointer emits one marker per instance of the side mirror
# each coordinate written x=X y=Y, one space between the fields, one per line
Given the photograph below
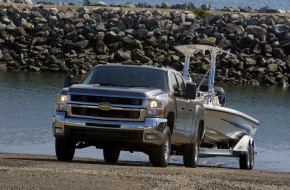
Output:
x=190 y=91
x=68 y=81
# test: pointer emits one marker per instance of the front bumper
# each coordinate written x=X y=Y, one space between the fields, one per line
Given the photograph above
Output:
x=109 y=131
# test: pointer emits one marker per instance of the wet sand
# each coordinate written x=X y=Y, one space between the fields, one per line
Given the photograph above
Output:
x=24 y=171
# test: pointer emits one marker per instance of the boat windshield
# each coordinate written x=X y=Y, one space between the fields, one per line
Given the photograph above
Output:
x=124 y=76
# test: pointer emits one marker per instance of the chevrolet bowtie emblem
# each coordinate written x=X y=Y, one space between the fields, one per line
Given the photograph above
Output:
x=104 y=106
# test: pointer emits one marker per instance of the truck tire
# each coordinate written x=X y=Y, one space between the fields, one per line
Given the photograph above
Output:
x=247 y=161
x=111 y=155
x=159 y=156
x=191 y=154
x=64 y=149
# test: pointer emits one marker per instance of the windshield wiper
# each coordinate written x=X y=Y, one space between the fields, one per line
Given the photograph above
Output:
x=136 y=86
x=107 y=84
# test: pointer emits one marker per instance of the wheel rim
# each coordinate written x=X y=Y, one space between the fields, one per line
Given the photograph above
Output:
x=166 y=149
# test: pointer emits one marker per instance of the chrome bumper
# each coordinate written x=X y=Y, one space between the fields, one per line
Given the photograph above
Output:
x=153 y=126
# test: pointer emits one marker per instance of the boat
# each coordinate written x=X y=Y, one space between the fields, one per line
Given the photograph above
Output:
x=228 y=132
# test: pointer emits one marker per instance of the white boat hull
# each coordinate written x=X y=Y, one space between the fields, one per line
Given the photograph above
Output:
x=224 y=125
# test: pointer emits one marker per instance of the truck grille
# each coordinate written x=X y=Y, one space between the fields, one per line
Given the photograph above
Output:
x=105 y=113
x=110 y=100
x=114 y=113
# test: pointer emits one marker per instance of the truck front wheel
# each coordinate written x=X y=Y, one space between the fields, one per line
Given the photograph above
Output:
x=64 y=149
x=191 y=154
x=159 y=156
x=111 y=155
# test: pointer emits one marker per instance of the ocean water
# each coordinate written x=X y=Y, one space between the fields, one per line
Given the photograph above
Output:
x=215 y=4
x=27 y=103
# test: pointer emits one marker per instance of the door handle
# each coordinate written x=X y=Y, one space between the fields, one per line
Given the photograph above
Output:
x=182 y=108
x=190 y=109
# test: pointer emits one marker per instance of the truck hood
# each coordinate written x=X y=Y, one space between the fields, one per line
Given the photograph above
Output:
x=132 y=92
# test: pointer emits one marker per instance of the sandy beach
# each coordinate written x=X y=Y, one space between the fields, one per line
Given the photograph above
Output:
x=24 y=171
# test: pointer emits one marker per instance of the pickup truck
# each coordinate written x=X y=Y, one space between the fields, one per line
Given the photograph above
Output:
x=119 y=107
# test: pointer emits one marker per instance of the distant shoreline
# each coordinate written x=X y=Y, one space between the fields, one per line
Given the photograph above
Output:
x=68 y=38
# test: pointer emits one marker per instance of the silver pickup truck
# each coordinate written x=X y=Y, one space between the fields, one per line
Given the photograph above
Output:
x=131 y=108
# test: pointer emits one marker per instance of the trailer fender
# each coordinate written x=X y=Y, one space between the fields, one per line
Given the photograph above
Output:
x=242 y=146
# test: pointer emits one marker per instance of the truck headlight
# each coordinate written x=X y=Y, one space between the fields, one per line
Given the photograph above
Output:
x=61 y=102
x=156 y=108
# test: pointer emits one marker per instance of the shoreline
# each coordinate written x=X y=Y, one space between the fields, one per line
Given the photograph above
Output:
x=68 y=38
x=29 y=171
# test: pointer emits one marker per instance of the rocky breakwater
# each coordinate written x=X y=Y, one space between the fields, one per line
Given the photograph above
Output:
x=51 y=40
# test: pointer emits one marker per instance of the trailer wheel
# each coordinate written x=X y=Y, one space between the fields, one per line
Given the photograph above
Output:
x=64 y=149
x=191 y=154
x=247 y=161
x=159 y=156
x=111 y=154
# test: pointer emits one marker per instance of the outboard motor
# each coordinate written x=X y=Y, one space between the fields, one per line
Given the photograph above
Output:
x=220 y=92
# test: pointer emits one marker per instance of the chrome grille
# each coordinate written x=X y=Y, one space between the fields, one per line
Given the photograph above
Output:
x=114 y=113
x=110 y=100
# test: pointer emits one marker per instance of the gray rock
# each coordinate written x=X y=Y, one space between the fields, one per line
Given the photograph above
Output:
x=84 y=10
x=272 y=11
x=250 y=62
x=163 y=5
x=100 y=27
x=219 y=36
x=247 y=9
x=101 y=4
x=2 y=27
x=232 y=28
x=150 y=22
x=268 y=48
x=82 y=44
x=130 y=5
x=263 y=9
x=251 y=22
x=165 y=24
x=191 y=17
x=273 y=67
x=255 y=30
x=123 y=54
x=224 y=43
x=11 y=27
x=281 y=29
x=179 y=18
x=101 y=47
x=208 y=41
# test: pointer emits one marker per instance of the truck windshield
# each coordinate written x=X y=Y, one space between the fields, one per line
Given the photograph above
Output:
x=123 y=76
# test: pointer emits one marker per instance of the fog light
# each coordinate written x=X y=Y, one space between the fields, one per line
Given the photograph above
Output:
x=150 y=137
x=59 y=130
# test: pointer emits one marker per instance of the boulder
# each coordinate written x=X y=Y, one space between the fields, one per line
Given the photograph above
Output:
x=250 y=61
x=263 y=9
x=281 y=29
x=123 y=54
x=273 y=67
x=208 y=41
x=255 y=30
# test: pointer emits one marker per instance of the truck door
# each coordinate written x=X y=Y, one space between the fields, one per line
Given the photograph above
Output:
x=187 y=107
x=183 y=115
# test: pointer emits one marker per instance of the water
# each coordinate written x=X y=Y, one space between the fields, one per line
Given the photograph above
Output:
x=27 y=104
x=215 y=4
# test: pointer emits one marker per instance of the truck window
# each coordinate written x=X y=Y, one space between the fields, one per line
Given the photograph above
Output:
x=173 y=81
x=181 y=83
x=124 y=76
